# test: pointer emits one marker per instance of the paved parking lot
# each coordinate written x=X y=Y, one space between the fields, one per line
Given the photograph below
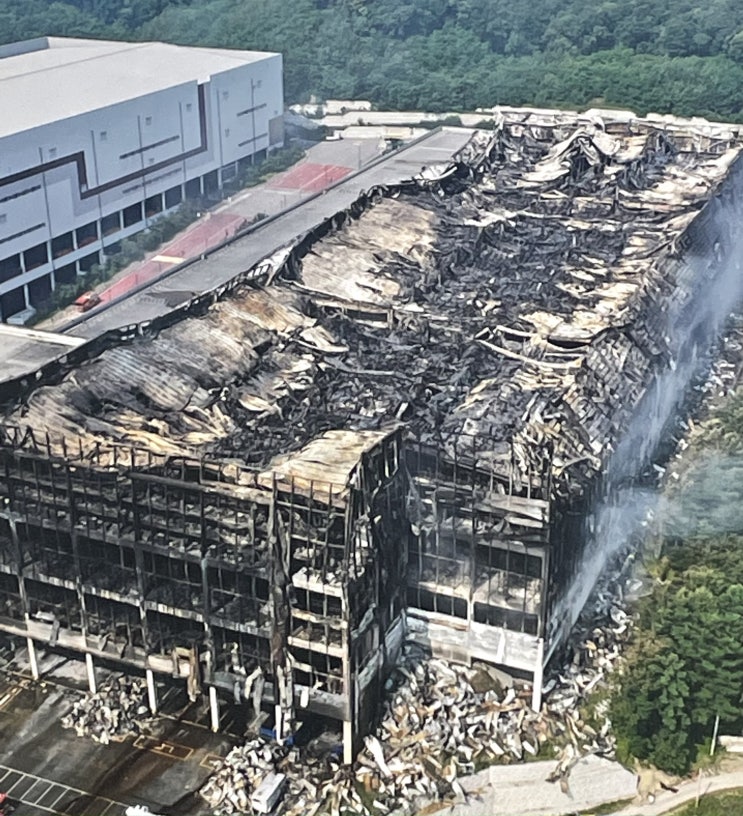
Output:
x=43 y=796
x=46 y=769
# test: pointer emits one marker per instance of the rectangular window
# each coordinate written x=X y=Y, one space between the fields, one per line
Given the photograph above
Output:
x=225 y=94
x=65 y=274
x=10 y=267
x=40 y=290
x=173 y=197
x=3 y=218
x=89 y=261
x=110 y=223
x=132 y=215
x=36 y=256
x=12 y=302
x=104 y=135
x=193 y=188
x=52 y=152
x=62 y=244
x=87 y=234
x=153 y=205
x=211 y=181
x=148 y=120
x=226 y=131
x=188 y=106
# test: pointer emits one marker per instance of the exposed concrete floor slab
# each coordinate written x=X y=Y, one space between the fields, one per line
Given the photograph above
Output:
x=522 y=789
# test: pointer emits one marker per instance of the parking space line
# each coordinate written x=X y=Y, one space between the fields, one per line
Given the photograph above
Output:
x=21 y=780
x=104 y=804
x=52 y=796
x=65 y=792
x=163 y=747
x=9 y=784
x=28 y=790
x=211 y=761
x=38 y=796
x=25 y=787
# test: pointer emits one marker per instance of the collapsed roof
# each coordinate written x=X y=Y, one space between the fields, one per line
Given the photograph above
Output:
x=516 y=298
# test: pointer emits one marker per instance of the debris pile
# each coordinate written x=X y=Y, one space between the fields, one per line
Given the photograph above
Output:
x=442 y=721
x=228 y=790
x=315 y=783
x=119 y=708
x=594 y=649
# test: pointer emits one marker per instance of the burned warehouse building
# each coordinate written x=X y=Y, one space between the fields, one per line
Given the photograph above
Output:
x=400 y=426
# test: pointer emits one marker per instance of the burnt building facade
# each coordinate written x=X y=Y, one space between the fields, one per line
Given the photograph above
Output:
x=401 y=426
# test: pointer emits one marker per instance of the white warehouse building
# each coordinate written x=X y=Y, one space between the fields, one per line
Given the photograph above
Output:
x=98 y=137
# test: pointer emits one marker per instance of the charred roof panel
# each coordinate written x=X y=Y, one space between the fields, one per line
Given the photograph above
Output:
x=518 y=295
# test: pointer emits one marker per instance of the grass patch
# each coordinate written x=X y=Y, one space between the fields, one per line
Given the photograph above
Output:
x=607 y=808
x=724 y=803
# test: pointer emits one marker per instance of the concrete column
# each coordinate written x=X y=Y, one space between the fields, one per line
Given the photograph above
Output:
x=214 y=708
x=91 y=673
x=536 y=694
x=348 y=742
x=32 y=658
x=151 y=691
x=279 y=724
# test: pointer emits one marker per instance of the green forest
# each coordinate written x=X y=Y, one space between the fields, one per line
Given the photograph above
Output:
x=669 y=56
x=684 y=667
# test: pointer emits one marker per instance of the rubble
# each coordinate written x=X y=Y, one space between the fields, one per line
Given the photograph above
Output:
x=228 y=790
x=119 y=708
x=651 y=781
x=397 y=427
x=442 y=721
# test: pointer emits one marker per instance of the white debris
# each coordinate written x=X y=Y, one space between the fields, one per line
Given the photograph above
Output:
x=119 y=708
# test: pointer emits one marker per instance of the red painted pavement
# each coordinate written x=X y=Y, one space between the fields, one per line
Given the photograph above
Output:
x=310 y=177
x=307 y=177
x=214 y=229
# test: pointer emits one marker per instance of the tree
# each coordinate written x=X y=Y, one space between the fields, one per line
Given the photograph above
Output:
x=686 y=664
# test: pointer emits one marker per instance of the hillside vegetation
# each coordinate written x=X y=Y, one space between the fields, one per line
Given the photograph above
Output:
x=677 y=56
x=685 y=665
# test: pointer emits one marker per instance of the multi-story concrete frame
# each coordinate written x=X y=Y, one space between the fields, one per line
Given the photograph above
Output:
x=98 y=137
x=412 y=421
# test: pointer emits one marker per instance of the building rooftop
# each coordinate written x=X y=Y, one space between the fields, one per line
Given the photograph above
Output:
x=517 y=297
x=32 y=350
x=23 y=351
x=56 y=78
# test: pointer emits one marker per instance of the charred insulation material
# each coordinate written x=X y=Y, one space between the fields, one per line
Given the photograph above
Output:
x=401 y=426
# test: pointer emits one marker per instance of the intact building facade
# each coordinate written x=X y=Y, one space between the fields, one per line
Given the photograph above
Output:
x=99 y=137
